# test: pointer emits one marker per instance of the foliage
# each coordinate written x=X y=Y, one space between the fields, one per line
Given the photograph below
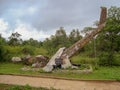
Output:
x=114 y=60
x=87 y=30
x=28 y=50
x=9 y=52
x=3 y=53
x=110 y=37
x=60 y=39
x=2 y=40
x=40 y=51
x=83 y=59
x=32 y=42
x=74 y=36
x=15 y=39
x=91 y=46
x=3 y=50
x=103 y=59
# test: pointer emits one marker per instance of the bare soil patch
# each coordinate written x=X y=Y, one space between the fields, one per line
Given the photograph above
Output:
x=60 y=83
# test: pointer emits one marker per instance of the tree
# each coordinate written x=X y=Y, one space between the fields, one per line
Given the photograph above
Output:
x=110 y=37
x=61 y=38
x=91 y=46
x=2 y=40
x=32 y=42
x=74 y=36
x=15 y=39
x=87 y=30
x=3 y=50
x=56 y=41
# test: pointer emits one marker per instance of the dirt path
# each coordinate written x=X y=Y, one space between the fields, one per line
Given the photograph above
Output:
x=59 y=83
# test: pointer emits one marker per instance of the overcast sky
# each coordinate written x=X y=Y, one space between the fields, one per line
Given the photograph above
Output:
x=39 y=19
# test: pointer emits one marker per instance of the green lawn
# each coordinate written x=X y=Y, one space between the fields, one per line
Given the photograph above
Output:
x=17 y=87
x=78 y=59
x=102 y=73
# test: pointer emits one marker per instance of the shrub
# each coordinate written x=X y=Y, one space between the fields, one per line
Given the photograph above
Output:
x=28 y=50
x=4 y=54
x=106 y=59
x=116 y=61
x=1 y=53
x=84 y=60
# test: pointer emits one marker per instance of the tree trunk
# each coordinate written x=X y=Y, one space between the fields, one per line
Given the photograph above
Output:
x=81 y=43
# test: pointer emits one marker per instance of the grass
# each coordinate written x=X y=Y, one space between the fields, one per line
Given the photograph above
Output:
x=102 y=73
x=83 y=60
x=17 y=51
x=12 y=68
x=40 y=51
x=17 y=87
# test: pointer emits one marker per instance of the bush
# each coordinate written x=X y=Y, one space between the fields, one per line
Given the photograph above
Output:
x=40 y=51
x=9 y=51
x=4 y=54
x=106 y=59
x=116 y=61
x=1 y=53
x=28 y=50
x=84 y=60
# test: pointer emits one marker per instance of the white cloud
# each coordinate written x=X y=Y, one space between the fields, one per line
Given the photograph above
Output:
x=28 y=31
x=3 y=25
x=32 y=10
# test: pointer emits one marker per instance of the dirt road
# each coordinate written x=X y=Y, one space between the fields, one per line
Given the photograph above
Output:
x=59 y=83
